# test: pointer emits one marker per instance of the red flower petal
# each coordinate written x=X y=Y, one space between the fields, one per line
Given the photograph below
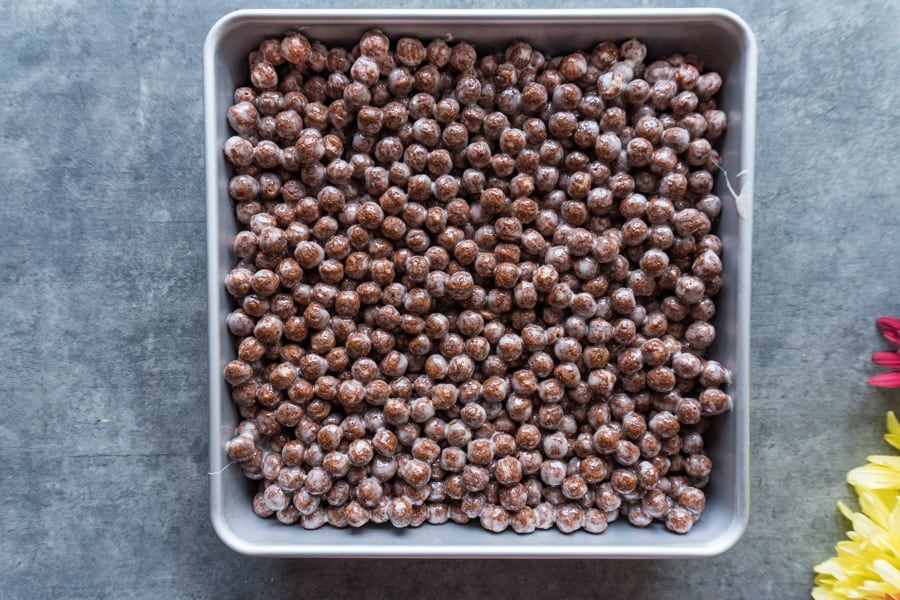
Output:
x=892 y=322
x=890 y=328
x=887 y=359
x=889 y=379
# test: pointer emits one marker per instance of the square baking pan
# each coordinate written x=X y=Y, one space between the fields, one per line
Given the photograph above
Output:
x=725 y=44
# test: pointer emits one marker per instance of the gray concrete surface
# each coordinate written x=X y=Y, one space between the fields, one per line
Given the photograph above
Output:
x=103 y=488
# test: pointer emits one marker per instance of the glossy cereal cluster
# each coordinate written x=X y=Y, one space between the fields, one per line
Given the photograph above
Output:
x=474 y=287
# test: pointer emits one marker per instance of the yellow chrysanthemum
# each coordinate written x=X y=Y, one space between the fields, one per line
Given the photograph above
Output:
x=867 y=565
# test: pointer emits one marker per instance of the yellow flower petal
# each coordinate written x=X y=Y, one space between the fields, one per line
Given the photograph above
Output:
x=891 y=462
x=845 y=510
x=830 y=567
x=890 y=579
x=872 y=506
x=893 y=425
x=876 y=475
x=893 y=439
x=888 y=572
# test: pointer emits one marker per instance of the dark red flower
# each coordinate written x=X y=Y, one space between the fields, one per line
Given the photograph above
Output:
x=890 y=329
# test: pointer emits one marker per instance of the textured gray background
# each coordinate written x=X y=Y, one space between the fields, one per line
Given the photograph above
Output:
x=103 y=488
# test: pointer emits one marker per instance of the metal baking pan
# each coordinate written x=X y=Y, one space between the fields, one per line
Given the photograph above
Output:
x=725 y=43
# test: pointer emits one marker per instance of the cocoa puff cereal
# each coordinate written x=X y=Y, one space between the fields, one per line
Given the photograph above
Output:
x=474 y=287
